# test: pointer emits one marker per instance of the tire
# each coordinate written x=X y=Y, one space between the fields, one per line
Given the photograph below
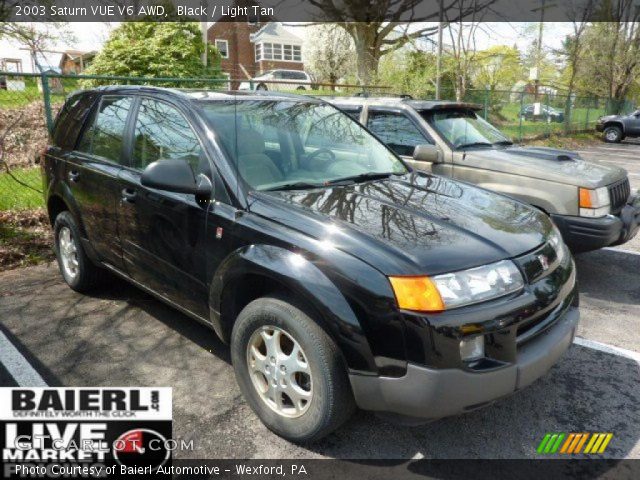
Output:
x=81 y=275
x=331 y=400
x=301 y=88
x=612 y=134
x=262 y=87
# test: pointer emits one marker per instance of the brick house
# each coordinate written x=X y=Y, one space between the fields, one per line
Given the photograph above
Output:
x=249 y=49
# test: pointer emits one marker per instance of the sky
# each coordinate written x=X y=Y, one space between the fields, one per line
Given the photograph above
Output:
x=92 y=35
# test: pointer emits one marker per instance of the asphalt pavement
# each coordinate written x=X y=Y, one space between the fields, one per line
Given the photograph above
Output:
x=123 y=337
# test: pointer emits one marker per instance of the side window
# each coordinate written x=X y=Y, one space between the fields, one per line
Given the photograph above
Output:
x=162 y=132
x=104 y=137
x=353 y=112
x=397 y=131
x=70 y=120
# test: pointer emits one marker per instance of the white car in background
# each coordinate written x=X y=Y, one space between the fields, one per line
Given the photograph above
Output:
x=289 y=78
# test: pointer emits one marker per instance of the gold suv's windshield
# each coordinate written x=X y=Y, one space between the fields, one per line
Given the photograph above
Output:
x=282 y=144
x=465 y=129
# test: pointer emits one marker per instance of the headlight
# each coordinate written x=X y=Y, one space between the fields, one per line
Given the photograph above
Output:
x=594 y=203
x=451 y=290
x=556 y=241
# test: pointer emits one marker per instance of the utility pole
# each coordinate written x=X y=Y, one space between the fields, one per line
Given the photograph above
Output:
x=542 y=8
x=203 y=29
x=539 y=53
x=439 y=57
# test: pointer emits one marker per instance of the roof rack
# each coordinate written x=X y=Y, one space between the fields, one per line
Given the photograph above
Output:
x=403 y=96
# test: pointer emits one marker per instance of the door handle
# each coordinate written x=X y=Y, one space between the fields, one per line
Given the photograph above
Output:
x=74 y=176
x=129 y=195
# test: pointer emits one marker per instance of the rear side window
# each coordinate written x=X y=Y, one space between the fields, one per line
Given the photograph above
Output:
x=105 y=136
x=162 y=132
x=397 y=131
x=70 y=120
x=353 y=112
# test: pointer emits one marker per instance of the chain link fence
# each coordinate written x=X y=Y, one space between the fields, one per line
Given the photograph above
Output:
x=523 y=115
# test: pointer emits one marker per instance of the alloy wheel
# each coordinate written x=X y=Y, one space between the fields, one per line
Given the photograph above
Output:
x=68 y=253
x=280 y=371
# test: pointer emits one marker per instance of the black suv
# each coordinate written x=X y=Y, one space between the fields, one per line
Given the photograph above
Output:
x=339 y=276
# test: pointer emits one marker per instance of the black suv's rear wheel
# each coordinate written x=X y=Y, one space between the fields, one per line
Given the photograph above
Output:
x=76 y=268
x=289 y=370
x=612 y=134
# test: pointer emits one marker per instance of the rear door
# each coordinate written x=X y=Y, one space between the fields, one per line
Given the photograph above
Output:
x=163 y=233
x=400 y=133
x=92 y=174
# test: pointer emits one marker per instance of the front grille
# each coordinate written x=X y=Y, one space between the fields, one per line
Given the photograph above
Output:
x=619 y=194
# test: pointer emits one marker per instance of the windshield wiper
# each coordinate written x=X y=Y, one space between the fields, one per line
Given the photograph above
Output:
x=503 y=142
x=293 y=186
x=474 y=144
x=362 y=177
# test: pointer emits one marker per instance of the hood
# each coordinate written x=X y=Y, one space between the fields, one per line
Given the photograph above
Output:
x=605 y=118
x=562 y=166
x=411 y=225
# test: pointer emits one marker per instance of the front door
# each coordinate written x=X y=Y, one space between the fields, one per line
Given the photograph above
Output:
x=633 y=126
x=92 y=175
x=163 y=233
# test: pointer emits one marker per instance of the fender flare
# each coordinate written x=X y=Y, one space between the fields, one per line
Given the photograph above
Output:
x=615 y=123
x=63 y=192
x=304 y=280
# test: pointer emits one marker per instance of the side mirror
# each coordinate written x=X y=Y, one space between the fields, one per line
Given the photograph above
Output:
x=175 y=175
x=426 y=153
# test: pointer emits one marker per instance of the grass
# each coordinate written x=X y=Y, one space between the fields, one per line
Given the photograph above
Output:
x=507 y=120
x=14 y=196
x=31 y=93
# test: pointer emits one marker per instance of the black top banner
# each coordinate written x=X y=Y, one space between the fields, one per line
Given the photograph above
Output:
x=320 y=10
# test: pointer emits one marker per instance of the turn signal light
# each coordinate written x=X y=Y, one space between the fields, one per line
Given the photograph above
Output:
x=585 y=198
x=417 y=293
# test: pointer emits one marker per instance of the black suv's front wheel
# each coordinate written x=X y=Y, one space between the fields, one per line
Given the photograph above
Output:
x=612 y=134
x=76 y=267
x=289 y=370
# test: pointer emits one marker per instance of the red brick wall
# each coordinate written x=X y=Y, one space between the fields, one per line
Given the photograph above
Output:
x=241 y=50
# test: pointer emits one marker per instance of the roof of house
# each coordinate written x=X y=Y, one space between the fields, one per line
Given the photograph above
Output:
x=74 y=54
x=274 y=32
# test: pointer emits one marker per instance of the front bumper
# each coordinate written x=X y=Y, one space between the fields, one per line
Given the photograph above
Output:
x=599 y=127
x=435 y=393
x=583 y=234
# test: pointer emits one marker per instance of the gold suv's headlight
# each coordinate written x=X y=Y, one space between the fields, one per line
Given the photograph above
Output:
x=594 y=202
x=451 y=290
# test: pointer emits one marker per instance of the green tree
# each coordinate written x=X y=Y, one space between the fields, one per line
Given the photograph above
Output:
x=610 y=64
x=155 y=49
x=498 y=67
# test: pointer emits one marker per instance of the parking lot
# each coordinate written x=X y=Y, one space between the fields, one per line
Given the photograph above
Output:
x=121 y=336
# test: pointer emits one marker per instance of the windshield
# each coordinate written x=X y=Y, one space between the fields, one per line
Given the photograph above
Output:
x=282 y=144
x=463 y=128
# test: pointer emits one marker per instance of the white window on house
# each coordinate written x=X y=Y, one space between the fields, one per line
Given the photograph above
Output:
x=267 y=51
x=223 y=47
x=287 y=52
x=278 y=51
x=297 y=53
